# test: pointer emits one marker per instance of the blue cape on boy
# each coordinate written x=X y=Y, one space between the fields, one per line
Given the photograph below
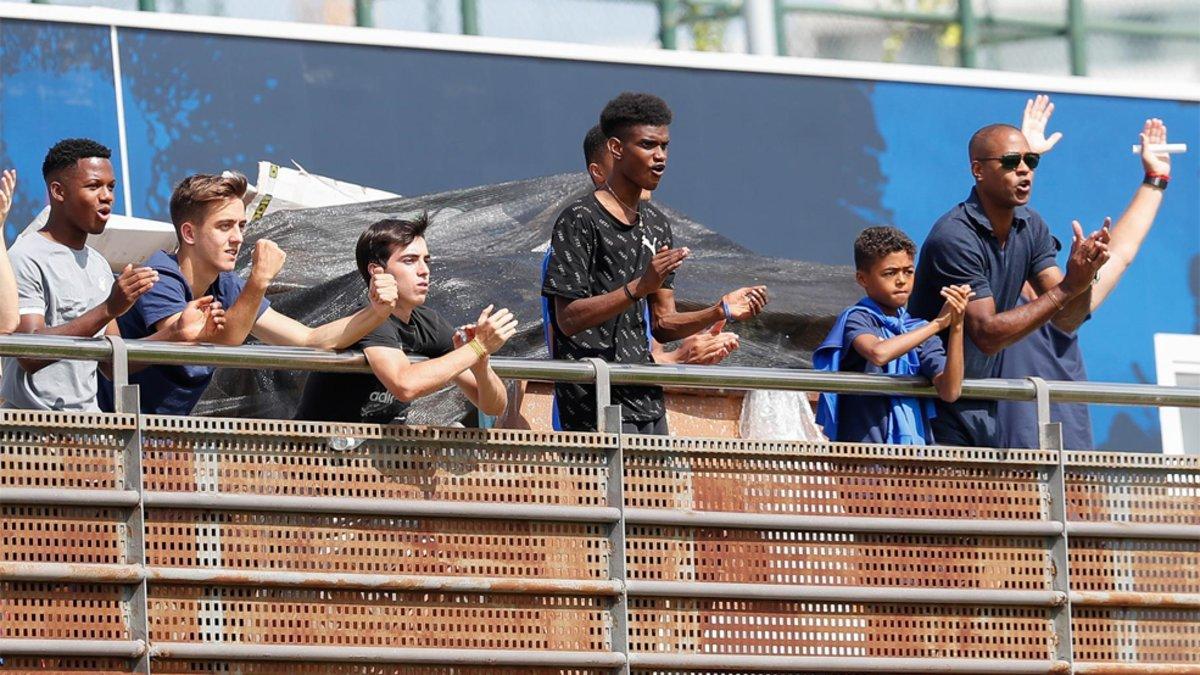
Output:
x=906 y=425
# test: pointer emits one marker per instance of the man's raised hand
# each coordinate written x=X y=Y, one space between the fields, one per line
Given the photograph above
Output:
x=746 y=303
x=1154 y=132
x=201 y=318
x=492 y=330
x=1033 y=124
x=128 y=287
x=666 y=261
x=266 y=261
x=383 y=292
x=8 y=187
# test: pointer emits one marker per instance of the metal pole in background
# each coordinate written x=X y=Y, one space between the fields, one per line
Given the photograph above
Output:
x=761 y=34
x=668 y=21
x=469 y=9
x=1077 y=36
x=364 y=16
x=968 y=40
x=781 y=15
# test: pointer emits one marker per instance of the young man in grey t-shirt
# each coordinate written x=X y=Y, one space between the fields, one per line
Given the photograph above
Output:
x=64 y=287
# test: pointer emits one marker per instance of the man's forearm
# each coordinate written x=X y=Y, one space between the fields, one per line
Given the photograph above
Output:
x=9 y=316
x=1127 y=237
x=1001 y=330
x=678 y=325
x=88 y=324
x=420 y=379
x=241 y=317
x=493 y=397
x=573 y=316
x=347 y=330
x=1074 y=312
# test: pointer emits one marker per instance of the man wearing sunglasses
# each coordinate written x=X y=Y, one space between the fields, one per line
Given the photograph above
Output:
x=994 y=242
x=1055 y=354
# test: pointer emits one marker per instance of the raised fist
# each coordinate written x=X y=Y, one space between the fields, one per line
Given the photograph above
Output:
x=266 y=261
x=383 y=292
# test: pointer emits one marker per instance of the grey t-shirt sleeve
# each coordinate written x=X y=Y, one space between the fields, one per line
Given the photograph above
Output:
x=31 y=292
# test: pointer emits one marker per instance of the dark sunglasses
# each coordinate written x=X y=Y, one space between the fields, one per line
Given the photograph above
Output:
x=1012 y=160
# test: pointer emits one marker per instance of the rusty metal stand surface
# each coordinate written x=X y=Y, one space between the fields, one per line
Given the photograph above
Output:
x=265 y=550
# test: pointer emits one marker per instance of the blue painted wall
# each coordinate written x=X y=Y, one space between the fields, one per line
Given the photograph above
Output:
x=785 y=165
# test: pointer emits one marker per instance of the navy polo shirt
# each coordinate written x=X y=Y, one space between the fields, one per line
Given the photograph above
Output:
x=1053 y=354
x=962 y=249
x=170 y=390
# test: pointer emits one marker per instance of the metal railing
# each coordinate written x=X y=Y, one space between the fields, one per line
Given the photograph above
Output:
x=700 y=377
x=617 y=510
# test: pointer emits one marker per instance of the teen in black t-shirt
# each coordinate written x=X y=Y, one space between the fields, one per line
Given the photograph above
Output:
x=361 y=397
x=616 y=254
x=398 y=248
x=609 y=253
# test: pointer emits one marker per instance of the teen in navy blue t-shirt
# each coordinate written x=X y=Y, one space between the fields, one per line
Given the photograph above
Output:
x=171 y=390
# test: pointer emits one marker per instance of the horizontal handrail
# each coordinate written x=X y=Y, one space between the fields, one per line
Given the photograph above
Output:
x=114 y=573
x=703 y=377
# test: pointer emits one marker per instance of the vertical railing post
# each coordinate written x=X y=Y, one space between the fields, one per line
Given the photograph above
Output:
x=1051 y=438
x=1077 y=36
x=608 y=421
x=126 y=399
x=668 y=23
x=469 y=11
x=969 y=34
x=603 y=390
x=616 y=534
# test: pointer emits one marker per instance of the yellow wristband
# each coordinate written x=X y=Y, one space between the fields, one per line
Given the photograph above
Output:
x=476 y=345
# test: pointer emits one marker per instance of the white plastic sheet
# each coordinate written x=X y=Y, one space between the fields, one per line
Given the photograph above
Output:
x=282 y=189
x=779 y=416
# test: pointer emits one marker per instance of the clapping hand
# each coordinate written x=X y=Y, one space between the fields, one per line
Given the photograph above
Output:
x=1088 y=255
x=201 y=318
x=746 y=303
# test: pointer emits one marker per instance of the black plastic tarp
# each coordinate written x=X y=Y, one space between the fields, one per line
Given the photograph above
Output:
x=487 y=245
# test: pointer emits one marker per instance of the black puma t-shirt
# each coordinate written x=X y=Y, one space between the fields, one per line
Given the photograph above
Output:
x=593 y=253
x=361 y=397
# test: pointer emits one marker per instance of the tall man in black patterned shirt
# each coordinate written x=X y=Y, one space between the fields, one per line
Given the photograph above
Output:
x=610 y=252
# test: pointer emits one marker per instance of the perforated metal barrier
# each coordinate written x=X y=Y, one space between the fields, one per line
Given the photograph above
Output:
x=265 y=549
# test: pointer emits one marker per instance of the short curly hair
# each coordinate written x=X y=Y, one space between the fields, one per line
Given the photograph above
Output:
x=593 y=143
x=66 y=152
x=875 y=243
x=631 y=109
